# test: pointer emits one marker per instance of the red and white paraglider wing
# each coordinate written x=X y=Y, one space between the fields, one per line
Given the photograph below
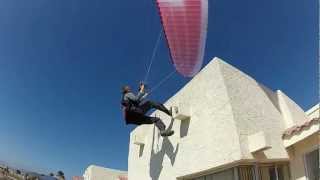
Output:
x=185 y=26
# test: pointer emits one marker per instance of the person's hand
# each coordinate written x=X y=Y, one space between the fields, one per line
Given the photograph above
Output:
x=141 y=87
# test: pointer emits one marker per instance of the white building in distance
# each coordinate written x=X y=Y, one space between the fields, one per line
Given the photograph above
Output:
x=228 y=127
x=100 y=173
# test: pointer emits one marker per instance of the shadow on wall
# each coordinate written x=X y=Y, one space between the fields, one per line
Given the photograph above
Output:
x=141 y=150
x=184 y=128
x=156 y=158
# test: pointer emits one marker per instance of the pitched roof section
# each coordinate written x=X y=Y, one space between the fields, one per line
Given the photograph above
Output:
x=314 y=112
x=298 y=128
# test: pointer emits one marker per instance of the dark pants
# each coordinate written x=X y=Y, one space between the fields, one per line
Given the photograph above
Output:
x=148 y=105
x=138 y=114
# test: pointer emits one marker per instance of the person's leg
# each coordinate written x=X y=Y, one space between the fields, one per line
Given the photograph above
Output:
x=153 y=120
x=161 y=126
x=147 y=105
x=142 y=119
x=158 y=122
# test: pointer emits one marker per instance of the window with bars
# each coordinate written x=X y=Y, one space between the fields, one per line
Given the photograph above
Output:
x=246 y=173
x=251 y=172
x=273 y=172
x=223 y=175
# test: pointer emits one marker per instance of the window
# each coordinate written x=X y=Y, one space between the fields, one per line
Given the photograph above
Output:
x=312 y=165
x=283 y=172
x=276 y=171
x=223 y=175
x=246 y=173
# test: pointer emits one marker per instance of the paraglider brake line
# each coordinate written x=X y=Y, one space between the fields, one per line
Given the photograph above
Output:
x=153 y=56
x=159 y=84
x=166 y=78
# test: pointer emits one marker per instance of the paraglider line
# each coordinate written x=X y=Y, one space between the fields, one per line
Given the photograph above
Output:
x=153 y=56
x=162 y=81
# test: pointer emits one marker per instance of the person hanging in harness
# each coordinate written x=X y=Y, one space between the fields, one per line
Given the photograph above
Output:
x=135 y=109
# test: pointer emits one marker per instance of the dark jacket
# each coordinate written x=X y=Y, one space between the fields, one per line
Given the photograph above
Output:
x=130 y=107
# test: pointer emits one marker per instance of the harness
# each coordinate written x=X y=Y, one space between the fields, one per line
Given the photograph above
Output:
x=128 y=105
x=130 y=110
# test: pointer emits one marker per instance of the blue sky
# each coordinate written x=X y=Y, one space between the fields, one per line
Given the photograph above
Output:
x=62 y=64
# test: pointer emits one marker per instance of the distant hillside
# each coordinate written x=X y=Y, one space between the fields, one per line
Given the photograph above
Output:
x=13 y=168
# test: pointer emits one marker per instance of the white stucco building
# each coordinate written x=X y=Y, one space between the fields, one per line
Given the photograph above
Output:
x=94 y=172
x=233 y=128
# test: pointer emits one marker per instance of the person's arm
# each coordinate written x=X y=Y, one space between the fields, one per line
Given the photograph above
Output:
x=141 y=92
x=138 y=97
x=133 y=97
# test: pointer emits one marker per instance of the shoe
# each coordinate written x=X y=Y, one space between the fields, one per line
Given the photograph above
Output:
x=166 y=133
x=170 y=111
x=166 y=110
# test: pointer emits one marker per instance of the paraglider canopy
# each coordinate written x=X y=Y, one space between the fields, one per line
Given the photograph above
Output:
x=185 y=27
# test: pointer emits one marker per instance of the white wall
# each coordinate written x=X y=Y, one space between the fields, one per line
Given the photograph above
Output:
x=254 y=111
x=226 y=107
x=204 y=140
x=100 y=173
x=292 y=113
